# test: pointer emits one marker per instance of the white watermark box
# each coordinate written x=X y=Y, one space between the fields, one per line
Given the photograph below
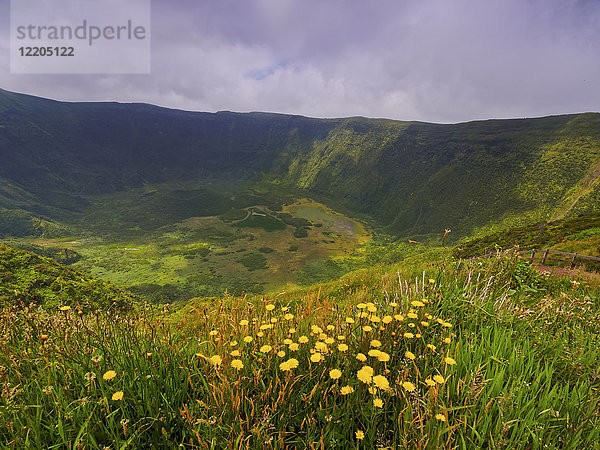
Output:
x=80 y=36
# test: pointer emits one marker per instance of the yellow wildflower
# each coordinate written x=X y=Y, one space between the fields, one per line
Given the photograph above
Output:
x=447 y=340
x=430 y=382
x=377 y=402
x=383 y=357
x=341 y=337
x=409 y=335
x=213 y=332
x=417 y=303
x=330 y=327
x=412 y=315
x=321 y=346
x=361 y=306
x=381 y=382
x=360 y=435
x=294 y=347
x=361 y=357
x=266 y=348
x=117 y=395
x=281 y=353
x=64 y=308
x=424 y=323
x=393 y=304
x=237 y=364
x=347 y=390
x=243 y=322
x=367 y=328
x=440 y=417
x=387 y=319
x=273 y=320
x=292 y=330
x=287 y=341
x=288 y=316
x=270 y=307
x=216 y=360
x=342 y=347
x=439 y=379
x=349 y=320
x=449 y=361
x=374 y=353
x=235 y=353
x=248 y=339
x=303 y=339
x=109 y=375
x=399 y=317
x=431 y=346
x=408 y=386
x=410 y=355
x=431 y=281
x=260 y=334
x=233 y=343
x=329 y=340
x=334 y=374
x=316 y=357
x=375 y=343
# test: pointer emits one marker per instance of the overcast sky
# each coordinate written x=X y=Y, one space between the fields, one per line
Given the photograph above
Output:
x=429 y=60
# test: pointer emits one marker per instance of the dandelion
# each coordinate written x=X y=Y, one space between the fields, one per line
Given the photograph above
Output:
x=349 y=320
x=233 y=343
x=342 y=347
x=430 y=382
x=367 y=328
x=316 y=329
x=387 y=319
x=371 y=307
x=361 y=357
x=266 y=348
x=381 y=382
x=260 y=334
x=109 y=375
x=409 y=335
x=347 y=390
x=43 y=337
x=248 y=339
x=374 y=353
x=284 y=308
x=321 y=346
x=439 y=379
x=341 y=337
x=117 y=396
x=412 y=315
x=399 y=317
x=334 y=374
x=243 y=322
x=365 y=374
x=410 y=355
x=290 y=364
x=447 y=340
x=281 y=353
x=303 y=339
x=424 y=323
x=235 y=353
x=440 y=417
x=361 y=306
x=447 y=325
x=292 y=330
x=294 y=347
x=378 y=403
x=375 y=319
x=216 y=360
x=213 y=332
x=449 y=361
x=266 y=326
x=322 y=336
x=330 y=327
x=273 y=320
x=411 y=325
x=237 y=364
x=375 y=343
x=64 y=308
x=270 y=307
x=408 y=386
x=360 y=435
x=393 y=304
x=431 y=346
x=417 y=303
x=418 y=335
x=431 y=281
x=383 y=357
x=288 y=316
x=373 y=390
x=316 y=357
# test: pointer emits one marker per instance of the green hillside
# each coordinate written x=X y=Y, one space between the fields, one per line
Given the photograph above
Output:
x=411 y=178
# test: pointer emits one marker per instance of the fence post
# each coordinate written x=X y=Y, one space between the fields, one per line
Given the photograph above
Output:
x=544 y=257
x=532 y=255
x=573 y=260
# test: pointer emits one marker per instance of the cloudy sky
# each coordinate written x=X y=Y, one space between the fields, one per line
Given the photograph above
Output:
x=430 y=60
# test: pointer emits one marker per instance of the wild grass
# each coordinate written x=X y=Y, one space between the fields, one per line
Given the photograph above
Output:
x=444 y=356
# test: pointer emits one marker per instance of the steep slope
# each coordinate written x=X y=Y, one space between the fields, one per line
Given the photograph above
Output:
x=413 y=178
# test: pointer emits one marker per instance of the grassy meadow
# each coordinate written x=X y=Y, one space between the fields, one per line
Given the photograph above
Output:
x=425 y=355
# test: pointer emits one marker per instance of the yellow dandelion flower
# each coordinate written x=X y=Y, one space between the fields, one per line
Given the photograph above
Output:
x=244 y=322
x=378 y=403
x=363 y=314
x=316 y=329
x=260 y=334
x=367 y=328
x=341 y=337
x=361 y=357
x=447 y=325
x=237 y=364
x=417 y=303
x=412 y=315
x=248 y=339
x=373 y=390
x=431 y=281
x=64 y=308
x=284 y=308
x=346 y=390
x=374 y=353
x=292 y=363
x=447 y=340
x=408 y=386
x=409 y=335
x=410 y=355
x=424 y=323
x=431 y=346
x=270 y=307
x=216 y=360
x=387 y=319
x=288 y=316
x=316 y=357
x=349 y=320
x=109 y=375
x=294 y=347
x=233 y=343
x=287 y=341
x=393 y=304
x=383 y=357
x=429 y=316
x=266 y=326
x=322 y=336
x=334 y=374
x=266 y=348
x=365 y=374
x=281 y=353
x=342 y=347
x=360 y=435
x=381 y=382
x=375 y=343
x=274 y=319
x=213 y=332
x=439 y=379
x=329 y=340
x=449 y=361
x=411 y=325
x=440 y=417
x=117 y=396
x=430 y=382
x=371 y=308
x=330 y=327
x=361 y=306
x=235 y=353
x=399 y=317
x=418 y=335
x=321 y=346
x=375 y=319
x=292 y=330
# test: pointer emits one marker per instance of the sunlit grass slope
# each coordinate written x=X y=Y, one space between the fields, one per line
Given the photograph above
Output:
x=423 y=355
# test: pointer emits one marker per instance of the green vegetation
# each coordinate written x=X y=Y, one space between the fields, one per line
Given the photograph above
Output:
x=20 y=223
x=406 y=356
x=264 y=221
x=26 y=277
